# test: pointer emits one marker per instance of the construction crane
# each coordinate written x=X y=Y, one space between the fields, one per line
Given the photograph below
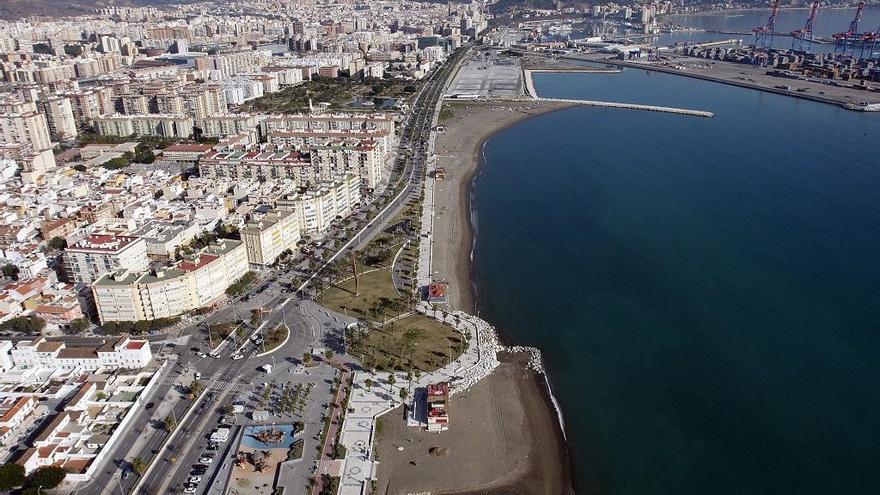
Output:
x=845 y=41
x=764 y=34
x=802 y=39
x=874 y=39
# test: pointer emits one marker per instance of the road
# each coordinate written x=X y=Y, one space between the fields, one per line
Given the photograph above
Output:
x=414 y=140
x=224 y=376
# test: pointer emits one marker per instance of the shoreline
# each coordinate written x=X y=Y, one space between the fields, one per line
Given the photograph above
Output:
x=461 y=150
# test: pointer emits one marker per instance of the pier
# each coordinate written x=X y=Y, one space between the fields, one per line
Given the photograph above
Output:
x=633 y=106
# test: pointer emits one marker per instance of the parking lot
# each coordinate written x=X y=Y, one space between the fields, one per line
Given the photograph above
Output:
x=488 y=74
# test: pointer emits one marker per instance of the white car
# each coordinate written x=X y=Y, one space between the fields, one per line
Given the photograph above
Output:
x=236 y=357
x=201 y=354
x=190 y=489
x=194 y=479
x=206 y=460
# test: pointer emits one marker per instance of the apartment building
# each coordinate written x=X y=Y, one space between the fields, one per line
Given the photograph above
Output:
x=20 y=122
x=198 y=281
x=339 y=156
x=269 y=236
x=317 y=208
x=98 y=254
x=329 y=122
x=255 y=164
x=122 y=352
x=59 y=117
x=225 y=125
x=166 y=126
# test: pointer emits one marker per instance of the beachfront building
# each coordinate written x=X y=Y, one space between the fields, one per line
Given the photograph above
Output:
x=338 y=156
x=92 y=257
x=269 y=236
x=317 y=208
x=196 y=282
x=438 y=411
x=329 y=122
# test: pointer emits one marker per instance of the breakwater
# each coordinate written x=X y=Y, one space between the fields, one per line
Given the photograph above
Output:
x=633 y=106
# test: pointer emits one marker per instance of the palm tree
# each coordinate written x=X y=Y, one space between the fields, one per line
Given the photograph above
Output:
x=138 y=465
x=403 y=394
x=195 y=388
x=170 y=422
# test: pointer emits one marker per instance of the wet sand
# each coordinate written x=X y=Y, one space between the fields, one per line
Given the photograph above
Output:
x=503 y=439
x=459 y=151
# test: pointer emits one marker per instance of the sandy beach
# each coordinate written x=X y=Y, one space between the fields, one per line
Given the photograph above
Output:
x=459 y=151
x=505 y=437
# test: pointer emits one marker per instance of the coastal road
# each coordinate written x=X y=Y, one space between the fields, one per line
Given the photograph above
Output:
x=414 y=140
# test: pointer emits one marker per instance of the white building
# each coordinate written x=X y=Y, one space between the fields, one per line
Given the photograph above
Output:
x=269 y=236
x=91 y=258
x=123 y=352
x=193 y=283
x=318 y=208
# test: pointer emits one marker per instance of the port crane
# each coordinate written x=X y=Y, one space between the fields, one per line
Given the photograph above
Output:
x=764 y=34
x=844 y=42
x=802 y=39
x=872 y=38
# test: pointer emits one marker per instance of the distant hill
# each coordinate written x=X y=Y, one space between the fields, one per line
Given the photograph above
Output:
x=17 y=9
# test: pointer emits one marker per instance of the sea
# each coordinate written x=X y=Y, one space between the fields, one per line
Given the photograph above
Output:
x=705 y=291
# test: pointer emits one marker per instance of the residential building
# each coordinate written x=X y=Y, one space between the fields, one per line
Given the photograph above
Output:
x=198 y=281
x=269 y=236
x=98 y=254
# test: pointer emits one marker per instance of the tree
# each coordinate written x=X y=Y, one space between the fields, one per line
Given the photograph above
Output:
x=79 y=325
x=403 y=394
x=307 y=358
x=195 y=388
x=391 y=379
x=46 y=478
x=10 y=271
x=138 y=465
x=328 y=355
x=369 y=383
x=24 y=324
x=57 y=243
x=11 y=476
x=170 y=422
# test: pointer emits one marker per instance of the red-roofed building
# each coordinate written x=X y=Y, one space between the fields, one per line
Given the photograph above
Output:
x=438 y=401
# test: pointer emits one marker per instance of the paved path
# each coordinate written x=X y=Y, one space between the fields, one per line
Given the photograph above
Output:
x=368 y=403
x=335 y=415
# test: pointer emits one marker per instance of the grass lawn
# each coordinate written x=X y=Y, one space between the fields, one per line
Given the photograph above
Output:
x=392 y=346
x=275 y=337
x=372 y=287
x=338 y=92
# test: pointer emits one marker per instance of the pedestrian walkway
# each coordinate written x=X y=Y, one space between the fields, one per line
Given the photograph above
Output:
x=372 y=395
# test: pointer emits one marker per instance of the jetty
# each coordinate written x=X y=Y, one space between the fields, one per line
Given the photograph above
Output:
x=633 y=106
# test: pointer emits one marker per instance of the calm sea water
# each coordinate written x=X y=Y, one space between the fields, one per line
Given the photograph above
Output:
x=828 y=22
x=706 y=291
